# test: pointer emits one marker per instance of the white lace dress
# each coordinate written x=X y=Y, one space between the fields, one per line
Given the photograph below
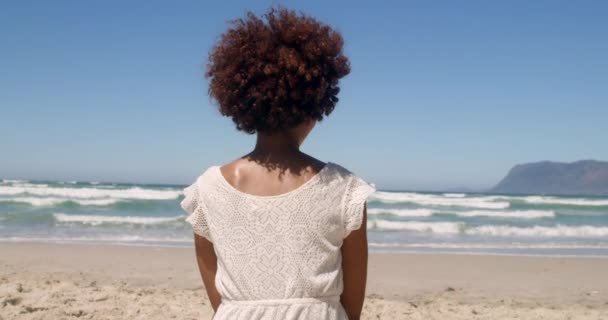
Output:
x=278 y=256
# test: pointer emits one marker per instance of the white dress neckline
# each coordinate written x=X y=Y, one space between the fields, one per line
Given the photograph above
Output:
x=216 y=169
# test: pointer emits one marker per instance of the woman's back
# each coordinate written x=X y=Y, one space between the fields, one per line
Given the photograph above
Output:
x=278 y=256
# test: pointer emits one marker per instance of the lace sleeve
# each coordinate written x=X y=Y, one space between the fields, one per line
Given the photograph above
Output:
x=355 y=196
x=197 y=211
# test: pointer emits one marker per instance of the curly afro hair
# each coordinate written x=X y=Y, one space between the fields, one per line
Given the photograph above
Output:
x=272 y=76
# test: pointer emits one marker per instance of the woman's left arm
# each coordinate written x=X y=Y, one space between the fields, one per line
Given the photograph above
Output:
x=207 y=264
x=354 y=269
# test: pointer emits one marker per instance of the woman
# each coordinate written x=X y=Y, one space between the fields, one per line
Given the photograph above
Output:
x=278 y=233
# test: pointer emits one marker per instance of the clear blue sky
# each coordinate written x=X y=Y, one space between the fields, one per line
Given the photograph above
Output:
x=442 y=94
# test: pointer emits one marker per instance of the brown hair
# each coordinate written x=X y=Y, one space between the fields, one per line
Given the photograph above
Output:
x=271 y=77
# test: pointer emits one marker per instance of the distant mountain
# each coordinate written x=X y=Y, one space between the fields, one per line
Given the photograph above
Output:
x=585 y=177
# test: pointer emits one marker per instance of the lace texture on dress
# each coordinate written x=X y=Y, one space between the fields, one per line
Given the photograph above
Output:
x=193 y=205
x=278 y=257
x=356 y=194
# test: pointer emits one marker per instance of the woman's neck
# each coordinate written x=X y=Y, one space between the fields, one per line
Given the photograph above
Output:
x=278 y=143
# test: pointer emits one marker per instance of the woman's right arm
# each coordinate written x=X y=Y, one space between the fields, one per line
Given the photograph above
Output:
x=207 y=264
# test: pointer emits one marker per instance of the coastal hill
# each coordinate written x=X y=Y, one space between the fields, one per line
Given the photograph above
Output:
x=584 y=177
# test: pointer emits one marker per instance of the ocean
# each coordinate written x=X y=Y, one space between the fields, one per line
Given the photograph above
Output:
x=398 y=221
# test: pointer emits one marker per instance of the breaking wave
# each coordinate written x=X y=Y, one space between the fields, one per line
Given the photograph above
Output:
x=438 y=200
x=97 y=220
x=583 y=231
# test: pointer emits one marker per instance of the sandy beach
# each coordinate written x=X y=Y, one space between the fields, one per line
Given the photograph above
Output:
x=84 y=281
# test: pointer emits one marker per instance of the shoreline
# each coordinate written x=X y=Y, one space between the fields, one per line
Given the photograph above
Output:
x=372 y=250
x=114 y=281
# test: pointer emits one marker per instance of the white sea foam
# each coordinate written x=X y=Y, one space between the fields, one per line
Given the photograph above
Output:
x=13 y=181
x=68 y=182
x=540 y=231
x=438 y=200
x=566 y=201
x=559 y=231
x=454 y=195
x=434 y=227
x=89 y=193
x=99 y=238
x=424 y=212
x=51 y=201
x=402 y=212
x=556 y=200
x=521 y=214
x=30 y=185
x=97 y=220
x=502 y=245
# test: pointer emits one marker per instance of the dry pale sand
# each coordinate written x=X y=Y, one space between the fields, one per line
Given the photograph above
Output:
x=68 y=281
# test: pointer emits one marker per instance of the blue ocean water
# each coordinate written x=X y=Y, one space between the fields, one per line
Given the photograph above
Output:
x=423 y=222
